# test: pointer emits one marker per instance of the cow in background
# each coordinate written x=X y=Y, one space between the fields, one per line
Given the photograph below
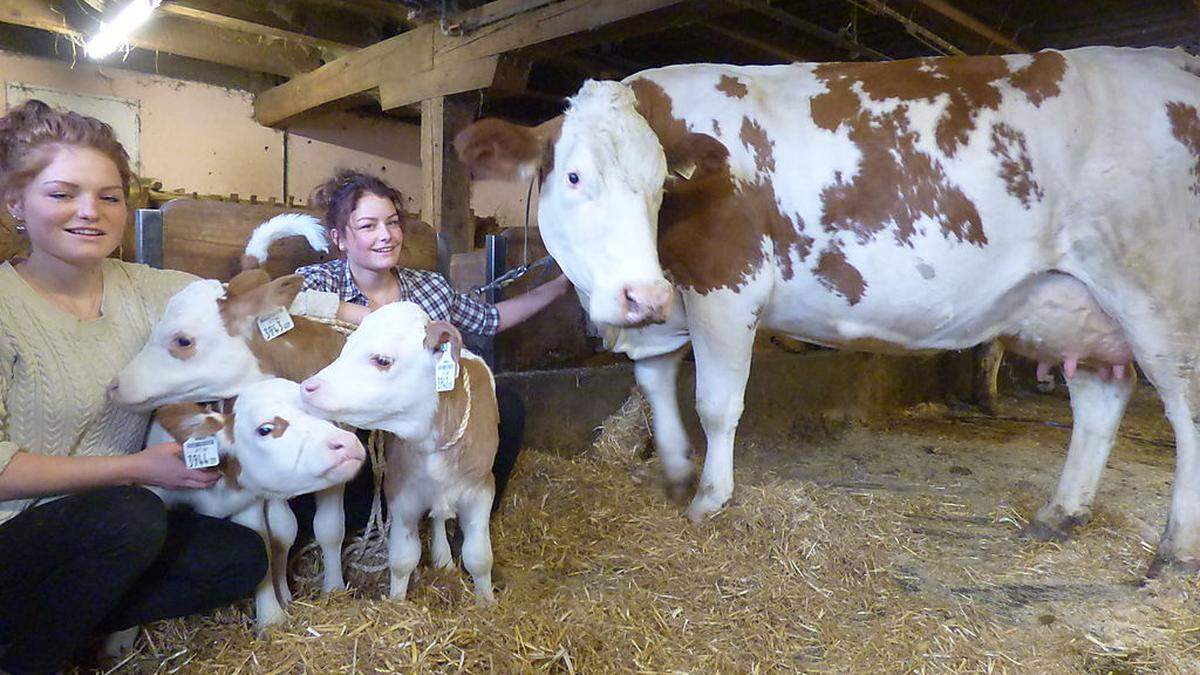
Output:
x=926 y=204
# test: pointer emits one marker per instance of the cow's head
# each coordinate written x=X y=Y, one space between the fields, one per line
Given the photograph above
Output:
x=200 y=349
x=268 y=444
x=602 y=170
x=384 y=377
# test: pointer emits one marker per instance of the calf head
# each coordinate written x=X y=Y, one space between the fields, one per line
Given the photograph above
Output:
x=201 y=348
x=269 y=444
x=384 y=377
x=602 y=171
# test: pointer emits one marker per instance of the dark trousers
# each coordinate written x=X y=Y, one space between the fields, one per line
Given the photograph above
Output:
x=361 y=489
x=107 y=560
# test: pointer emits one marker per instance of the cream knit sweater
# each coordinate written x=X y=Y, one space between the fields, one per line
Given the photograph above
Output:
x=54 y=368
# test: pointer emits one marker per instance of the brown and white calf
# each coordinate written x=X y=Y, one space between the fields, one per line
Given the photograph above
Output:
x=270 y=449
x=208 y=346
x=933 y=203
x=440 y=455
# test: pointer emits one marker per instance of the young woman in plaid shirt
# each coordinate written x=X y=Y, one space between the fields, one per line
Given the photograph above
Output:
x=363 y=218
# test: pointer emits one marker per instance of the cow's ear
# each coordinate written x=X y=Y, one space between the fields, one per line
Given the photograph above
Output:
x=696 y=156
x=438 y=332
x=247 y=281
x=188 y=420
x=282 y=291
x=493 y=148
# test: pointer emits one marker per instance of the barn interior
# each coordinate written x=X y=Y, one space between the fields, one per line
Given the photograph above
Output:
x=877 y=521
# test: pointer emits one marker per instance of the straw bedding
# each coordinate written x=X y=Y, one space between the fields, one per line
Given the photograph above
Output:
x=872 y=547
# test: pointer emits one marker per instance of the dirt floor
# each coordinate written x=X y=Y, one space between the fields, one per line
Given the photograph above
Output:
x=849 y=547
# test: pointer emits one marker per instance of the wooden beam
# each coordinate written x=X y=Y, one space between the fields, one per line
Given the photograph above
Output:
x=761 y=45
x=222 y=17
x=363 y=70
x=445 y=182
x=972 y=24
x=809 y=28
x=499 y=72
x=912 y=27
x=425 y=48
x=174 y=35
x=492 y=12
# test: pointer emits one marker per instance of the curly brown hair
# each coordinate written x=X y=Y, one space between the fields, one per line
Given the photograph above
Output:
x=32 y=132
x=338 y=196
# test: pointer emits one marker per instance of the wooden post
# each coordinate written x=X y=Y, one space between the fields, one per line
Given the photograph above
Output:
x=446 y=187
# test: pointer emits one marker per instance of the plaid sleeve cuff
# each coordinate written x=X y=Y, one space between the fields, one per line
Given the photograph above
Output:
x=474 y=316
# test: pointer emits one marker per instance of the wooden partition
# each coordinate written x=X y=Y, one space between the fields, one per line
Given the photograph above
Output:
x=207 y=238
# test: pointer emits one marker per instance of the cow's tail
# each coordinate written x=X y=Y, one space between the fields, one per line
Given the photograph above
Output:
x=283 y=225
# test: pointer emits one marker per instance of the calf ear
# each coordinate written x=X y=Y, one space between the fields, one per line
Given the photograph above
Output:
x=188 y=420
x=282 y=291
x=246 y=281
x=493 y=148
x=438 y=332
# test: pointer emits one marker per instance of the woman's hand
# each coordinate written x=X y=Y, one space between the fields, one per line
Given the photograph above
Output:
x=162 y=465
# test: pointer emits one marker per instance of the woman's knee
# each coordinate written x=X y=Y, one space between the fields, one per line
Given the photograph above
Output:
x=129 y=516
x=245 y=562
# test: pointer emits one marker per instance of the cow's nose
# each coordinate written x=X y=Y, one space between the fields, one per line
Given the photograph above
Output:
x=647 y=303
x=346 y=444
x=112 y=389
x=311 y=386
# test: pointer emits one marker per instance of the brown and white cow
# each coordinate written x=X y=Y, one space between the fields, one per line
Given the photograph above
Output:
x=208 y=346
x=906 y=205
x=270 y=449
x=441 y=445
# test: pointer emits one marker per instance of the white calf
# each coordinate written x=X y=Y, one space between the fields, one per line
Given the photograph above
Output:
x=270 y=450
x=440 y=458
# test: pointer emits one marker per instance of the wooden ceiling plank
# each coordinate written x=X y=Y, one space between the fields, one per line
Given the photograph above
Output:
x=809 y=28
x=759 y=44
x=972 y=24
x=198 y=12
x=183 y=37
x=425 y=48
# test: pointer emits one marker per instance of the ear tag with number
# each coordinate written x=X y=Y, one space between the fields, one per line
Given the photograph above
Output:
x=446 y=370
x=201 y=452
x=275 y=324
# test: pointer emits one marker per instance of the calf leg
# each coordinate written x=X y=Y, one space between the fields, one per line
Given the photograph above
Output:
x=658 y=377
x=986 y=392
x=404 y=542
x=281 y=523
x=267 y=610
x=723 y=338
x=1097 y=407
x=439 y=545
x=329 y=529
x=474 y=517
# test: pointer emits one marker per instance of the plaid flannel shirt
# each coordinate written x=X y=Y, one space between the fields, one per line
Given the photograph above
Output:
x=429 y=290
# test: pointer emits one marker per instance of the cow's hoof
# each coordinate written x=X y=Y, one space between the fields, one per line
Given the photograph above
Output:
x=680 y=491
x=706 y=504
x=1165 y=563
x=1053 y=523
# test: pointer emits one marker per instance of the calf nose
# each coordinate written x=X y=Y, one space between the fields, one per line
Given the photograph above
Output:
x=311 y=386
x=346 y=444
x=112 y=389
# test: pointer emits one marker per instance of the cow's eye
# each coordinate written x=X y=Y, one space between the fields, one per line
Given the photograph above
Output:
x=573 y=178
x=382 y=361
x=183 y=341
x=265 y=429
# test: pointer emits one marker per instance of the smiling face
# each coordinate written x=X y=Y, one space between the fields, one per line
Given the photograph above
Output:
x=74 y=209
x=372 y=235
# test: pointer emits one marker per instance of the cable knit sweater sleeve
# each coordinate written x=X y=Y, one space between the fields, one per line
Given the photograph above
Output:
x=7 y=447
